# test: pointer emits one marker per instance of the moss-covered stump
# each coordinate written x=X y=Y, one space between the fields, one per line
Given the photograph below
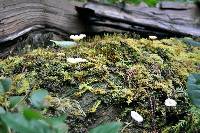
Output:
x=121 y=74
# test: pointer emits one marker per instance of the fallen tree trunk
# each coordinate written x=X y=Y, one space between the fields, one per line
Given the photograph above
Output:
x=169 y=19
x=20 y=17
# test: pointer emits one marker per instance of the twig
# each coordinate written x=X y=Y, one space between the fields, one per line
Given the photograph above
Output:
x=152 y=104
x=79 y=107
x=127 y=124
x=24 y=98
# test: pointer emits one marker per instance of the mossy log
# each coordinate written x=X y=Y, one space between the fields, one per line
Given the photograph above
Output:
x=20 y=17
x=121 y=74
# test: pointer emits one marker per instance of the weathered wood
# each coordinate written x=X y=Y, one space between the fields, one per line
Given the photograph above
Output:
x=143 y=19
x=18 y=17
x=175 y=5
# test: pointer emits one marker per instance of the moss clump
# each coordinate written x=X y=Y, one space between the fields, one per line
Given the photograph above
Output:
x=121 y=72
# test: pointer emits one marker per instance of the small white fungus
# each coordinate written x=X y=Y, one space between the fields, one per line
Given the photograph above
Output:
x=77 y=37
x=137 y=117
x=82 y=35
x=170 y=102
x=153 y=37
x=76 y=60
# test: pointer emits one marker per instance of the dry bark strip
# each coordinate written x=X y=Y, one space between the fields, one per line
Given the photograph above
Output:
x=18 y=17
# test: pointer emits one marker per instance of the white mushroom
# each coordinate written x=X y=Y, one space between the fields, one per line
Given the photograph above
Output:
x=170 y=102
x=137 y=117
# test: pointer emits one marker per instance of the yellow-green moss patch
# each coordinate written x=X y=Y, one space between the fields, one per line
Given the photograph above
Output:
x=121 y=72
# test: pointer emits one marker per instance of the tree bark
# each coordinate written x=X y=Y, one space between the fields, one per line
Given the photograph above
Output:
x=168 y=19
x=18 y=17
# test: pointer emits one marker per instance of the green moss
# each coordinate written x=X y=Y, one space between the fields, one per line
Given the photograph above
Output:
x=120 y=71
x=20 y=84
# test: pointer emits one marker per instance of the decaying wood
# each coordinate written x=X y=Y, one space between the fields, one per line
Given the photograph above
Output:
x=18 y=17
x=167 y=20
x=175 y=5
